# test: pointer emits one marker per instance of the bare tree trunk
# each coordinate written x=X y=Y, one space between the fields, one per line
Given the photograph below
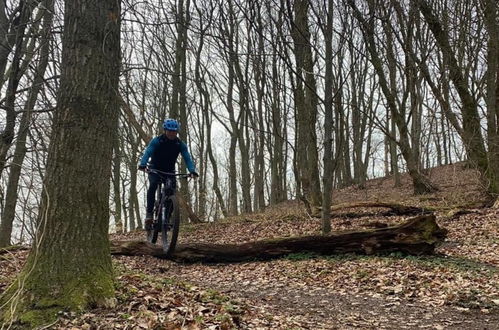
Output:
x=179 y=59
x=392 y=64
x=116 y=179
x=69 y=267
x=276 y=185
x=213 y=161
x=394 y=160
x=413 y=82
x=260 y=82
x=342 y=141
x=360 y=115
x=229 y=35
x=243 y=140
x=179 y=83
x=306 y=105
x=6 y=38
x=491 y=8
x=328 y=123
x=133 y=201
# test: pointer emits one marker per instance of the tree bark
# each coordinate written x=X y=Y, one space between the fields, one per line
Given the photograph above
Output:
x=491 y=8
x=327 y=178
x=277 y=173
x=234 y=123
x=260 y=86
x=69 y=267
x=417 y=236
x=116 y=178
x=306 y=101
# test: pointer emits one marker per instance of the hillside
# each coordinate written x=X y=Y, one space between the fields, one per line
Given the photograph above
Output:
x=457 y=288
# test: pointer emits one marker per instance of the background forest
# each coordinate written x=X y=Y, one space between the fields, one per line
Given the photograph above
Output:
x=287 y=107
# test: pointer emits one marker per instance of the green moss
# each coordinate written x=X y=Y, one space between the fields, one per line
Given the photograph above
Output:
x=214 y=297
x=361 y=274
x=224 y=318
x=42 y=297
x=302 y=256
x=39 y=317
x=199 y=319
x=188 y=228
x=169 y=281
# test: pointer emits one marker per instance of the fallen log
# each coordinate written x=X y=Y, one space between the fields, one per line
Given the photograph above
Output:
x=391 y=209
x=395 y=208
x=13 y=248
x=417 y=236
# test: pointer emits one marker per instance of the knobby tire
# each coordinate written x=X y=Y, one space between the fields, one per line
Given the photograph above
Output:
x=170 y=224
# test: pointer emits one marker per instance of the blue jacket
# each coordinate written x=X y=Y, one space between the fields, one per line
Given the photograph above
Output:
x=164 y=152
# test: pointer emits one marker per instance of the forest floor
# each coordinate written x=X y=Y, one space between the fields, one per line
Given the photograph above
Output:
x=457 y=288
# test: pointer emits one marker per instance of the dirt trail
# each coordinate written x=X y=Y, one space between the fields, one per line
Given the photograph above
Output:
x=280 y=305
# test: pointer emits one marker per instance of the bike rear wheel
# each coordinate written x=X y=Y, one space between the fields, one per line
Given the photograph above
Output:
x=170 y=216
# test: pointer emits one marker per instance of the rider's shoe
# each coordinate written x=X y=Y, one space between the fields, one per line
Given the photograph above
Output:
x=148 y=220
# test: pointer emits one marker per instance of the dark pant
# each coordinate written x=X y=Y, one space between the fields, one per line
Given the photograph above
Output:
x=154 y=181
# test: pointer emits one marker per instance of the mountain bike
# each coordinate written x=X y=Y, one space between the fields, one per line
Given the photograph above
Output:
x=166 y=214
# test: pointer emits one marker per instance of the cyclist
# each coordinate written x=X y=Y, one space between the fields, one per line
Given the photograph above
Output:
x=163 y=151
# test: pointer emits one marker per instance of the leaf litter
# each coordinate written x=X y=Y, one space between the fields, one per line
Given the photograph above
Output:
x=456 y=288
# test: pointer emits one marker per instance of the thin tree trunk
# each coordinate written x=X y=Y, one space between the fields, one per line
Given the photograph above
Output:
x=8 y=33
x=306 y=102
x=233 y=193
x=9 y=210
x=7 y=135
x=116 y=178
x=260 y=79
x=328 y=123
x=277 y=160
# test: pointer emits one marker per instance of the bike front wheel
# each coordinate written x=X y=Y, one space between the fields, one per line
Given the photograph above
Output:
x=170 y=224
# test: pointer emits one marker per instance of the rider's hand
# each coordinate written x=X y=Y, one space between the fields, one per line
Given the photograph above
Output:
x=194 y=175
x=142 y=168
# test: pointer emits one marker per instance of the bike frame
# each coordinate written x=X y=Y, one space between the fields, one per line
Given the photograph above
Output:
x=166 y=182
x=166 y=217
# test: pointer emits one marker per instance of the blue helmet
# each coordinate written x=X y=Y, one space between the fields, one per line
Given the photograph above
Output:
x=171 y=125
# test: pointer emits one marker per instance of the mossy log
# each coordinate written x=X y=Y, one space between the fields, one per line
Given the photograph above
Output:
x=417 y=236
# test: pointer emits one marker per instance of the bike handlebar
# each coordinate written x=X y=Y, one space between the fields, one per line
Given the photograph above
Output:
x=151 y=170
